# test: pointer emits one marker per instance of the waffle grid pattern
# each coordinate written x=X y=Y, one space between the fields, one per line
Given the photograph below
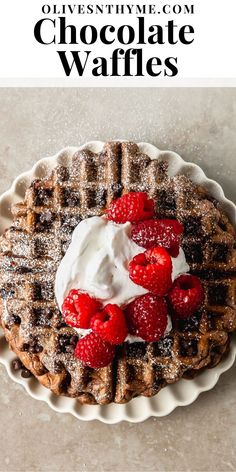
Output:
x=33 y=246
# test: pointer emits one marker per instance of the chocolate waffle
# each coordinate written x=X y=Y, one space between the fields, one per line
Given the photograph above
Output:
x=32 y=248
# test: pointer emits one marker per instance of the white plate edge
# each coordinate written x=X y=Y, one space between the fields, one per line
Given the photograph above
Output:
x=153 y=152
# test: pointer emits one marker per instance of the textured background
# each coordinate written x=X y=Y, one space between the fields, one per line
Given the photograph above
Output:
x=200 y=124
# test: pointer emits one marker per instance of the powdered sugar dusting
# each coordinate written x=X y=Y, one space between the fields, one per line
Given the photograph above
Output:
x=35 y=244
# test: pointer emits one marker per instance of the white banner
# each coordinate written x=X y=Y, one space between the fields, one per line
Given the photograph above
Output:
x=150 y=42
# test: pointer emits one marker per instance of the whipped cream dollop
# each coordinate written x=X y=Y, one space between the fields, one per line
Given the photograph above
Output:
x=96 y=262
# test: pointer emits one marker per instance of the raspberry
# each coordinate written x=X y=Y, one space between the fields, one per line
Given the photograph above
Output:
x=186 y=295
x=147 y=317
x=165 y=233
x=134 y=206
x=78 y=309
x=110 y=324
x=152 y=270
x=94 y=352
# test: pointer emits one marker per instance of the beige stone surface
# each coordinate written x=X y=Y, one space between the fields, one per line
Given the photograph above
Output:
x=200 y=124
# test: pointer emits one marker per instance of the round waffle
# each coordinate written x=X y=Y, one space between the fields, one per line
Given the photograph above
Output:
x=32 y=248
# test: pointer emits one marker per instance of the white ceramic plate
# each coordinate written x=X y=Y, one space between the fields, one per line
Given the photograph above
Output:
x=183 y=392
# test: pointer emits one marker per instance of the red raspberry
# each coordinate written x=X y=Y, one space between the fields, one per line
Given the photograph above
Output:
x=165 y=233
x=110 y=324
x=78 y=309
x=186 y=295
x=147 y=317
x=94 y=352
x=134 y=206
x=152 y=270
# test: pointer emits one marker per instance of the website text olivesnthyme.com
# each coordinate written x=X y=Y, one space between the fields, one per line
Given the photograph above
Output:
x=120 y=9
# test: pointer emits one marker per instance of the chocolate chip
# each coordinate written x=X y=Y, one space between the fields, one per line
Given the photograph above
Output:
x=25 y=347
x=67 y=343
x=35 y=348
x=58 y=367
x=25 y=373
x=63 y=341
x=42 y=194
x=14 y=320
x=38 y=348
x=17 y=364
